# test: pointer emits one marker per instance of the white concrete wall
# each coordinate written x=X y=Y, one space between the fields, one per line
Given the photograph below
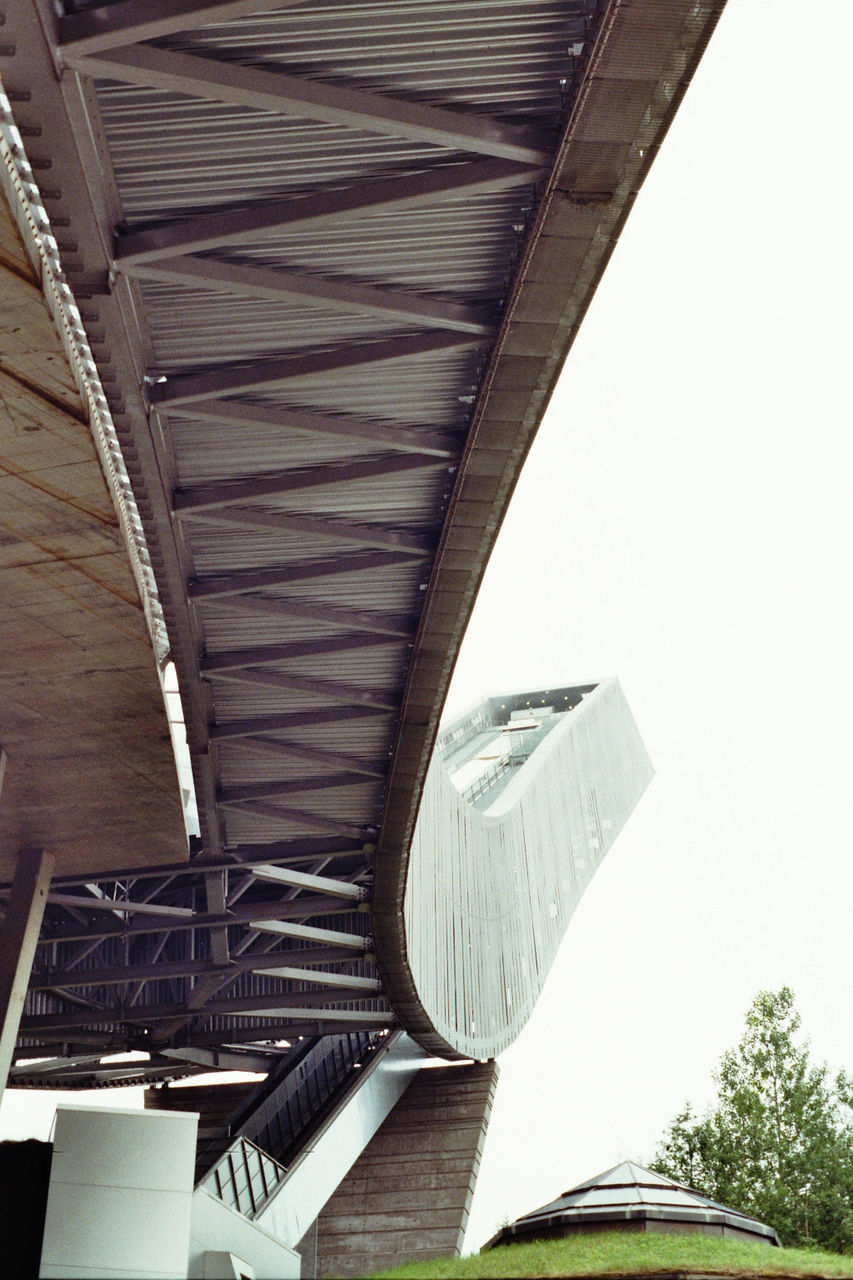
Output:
x=120 y=1197
x=217 y=1229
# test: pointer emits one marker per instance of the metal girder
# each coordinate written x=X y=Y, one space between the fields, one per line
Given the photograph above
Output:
x=347 y=980
x=288 y=787
x=163 y=970
x=274 y=371
x=377 y=624
x=302 y=1004
x=240 y=223
x=224 y=1059
x=308 y=933
x=119 y=906
x=262 y=1031
x=289 y=720
x=417 y=546
x=283 y=94
x=279 y=483
x=246 y=580
x=263 y=656
x=331 y=759
x=322 y=688
x=303 y=817
x=303 y=849
x=45 y=1069
x=285 y=1011
x=112 y=25
x=344 y=426
x=320 y=884
x=241 y=915
x=69 y=1075
x=214 y=889
x=247 y=280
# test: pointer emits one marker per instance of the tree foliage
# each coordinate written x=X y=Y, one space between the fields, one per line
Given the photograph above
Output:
x=779 y=1142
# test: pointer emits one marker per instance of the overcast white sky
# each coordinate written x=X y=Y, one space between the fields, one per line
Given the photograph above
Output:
x=684 y=522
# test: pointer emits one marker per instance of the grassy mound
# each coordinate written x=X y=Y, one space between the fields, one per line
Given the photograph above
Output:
x=616 y=1254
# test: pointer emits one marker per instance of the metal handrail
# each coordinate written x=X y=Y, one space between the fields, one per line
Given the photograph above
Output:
x=244 y=1178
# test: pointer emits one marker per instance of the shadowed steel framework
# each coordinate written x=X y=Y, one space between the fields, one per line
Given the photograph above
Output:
x=322 y=265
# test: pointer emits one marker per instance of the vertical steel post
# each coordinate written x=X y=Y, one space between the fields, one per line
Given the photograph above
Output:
x=18 y=937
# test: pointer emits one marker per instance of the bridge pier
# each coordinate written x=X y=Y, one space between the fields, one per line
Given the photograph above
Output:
x=408 y=1196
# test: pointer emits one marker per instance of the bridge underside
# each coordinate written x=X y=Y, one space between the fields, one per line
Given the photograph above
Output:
x=90 y=773
x=330 y=259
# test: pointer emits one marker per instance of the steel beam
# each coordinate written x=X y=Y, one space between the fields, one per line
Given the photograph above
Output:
x=241 y=914
x=269 y=284
x=308 y=933
x=288 y=720
x=322 y=688
x=118 y=906
x=241 y=223
x=377 y=624
x=237 y=583
x=163 y=970
x=320 y=884
x=268 y=654
x=68 y=1075
x=283 y=1004
x=329 y=759
x=358 y=1017
x=423 y=440
x=304 y=849
x=350 y=981
x=18 y=939
x=302 y=817
x=287 y=787
x=214 y=889
x=417 y=546
x=224 y=1059
x=255 y=1035
x=201 y=497
x=275 y=371
x=112 y=25
x=287 y=95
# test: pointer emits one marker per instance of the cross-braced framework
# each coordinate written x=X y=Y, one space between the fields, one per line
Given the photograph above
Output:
x=329 y=260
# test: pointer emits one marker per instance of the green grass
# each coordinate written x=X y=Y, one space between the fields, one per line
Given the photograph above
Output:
x=613 y=1253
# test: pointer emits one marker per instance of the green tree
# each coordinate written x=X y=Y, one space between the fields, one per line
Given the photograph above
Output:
x=779 y=1142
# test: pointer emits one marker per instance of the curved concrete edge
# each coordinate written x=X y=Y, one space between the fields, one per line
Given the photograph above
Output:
x=608 y=146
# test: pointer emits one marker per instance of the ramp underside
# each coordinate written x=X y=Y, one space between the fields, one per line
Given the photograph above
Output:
x=90 y=773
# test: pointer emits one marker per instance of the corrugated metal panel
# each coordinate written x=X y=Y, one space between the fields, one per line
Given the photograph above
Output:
x=461 y=247
x=184 y=323
x=504 y=58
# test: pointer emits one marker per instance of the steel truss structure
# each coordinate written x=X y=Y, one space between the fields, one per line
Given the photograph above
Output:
x=329 y=259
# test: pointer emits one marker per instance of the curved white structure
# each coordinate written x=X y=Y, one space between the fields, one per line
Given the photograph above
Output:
x=525 y=795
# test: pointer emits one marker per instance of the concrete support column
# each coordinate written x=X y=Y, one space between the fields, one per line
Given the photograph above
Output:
x=18 y=937
x=408 y=1196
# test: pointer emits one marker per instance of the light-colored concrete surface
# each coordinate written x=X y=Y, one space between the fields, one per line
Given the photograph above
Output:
x=90 y=773
x=121 y=1194
x=218 y=1230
